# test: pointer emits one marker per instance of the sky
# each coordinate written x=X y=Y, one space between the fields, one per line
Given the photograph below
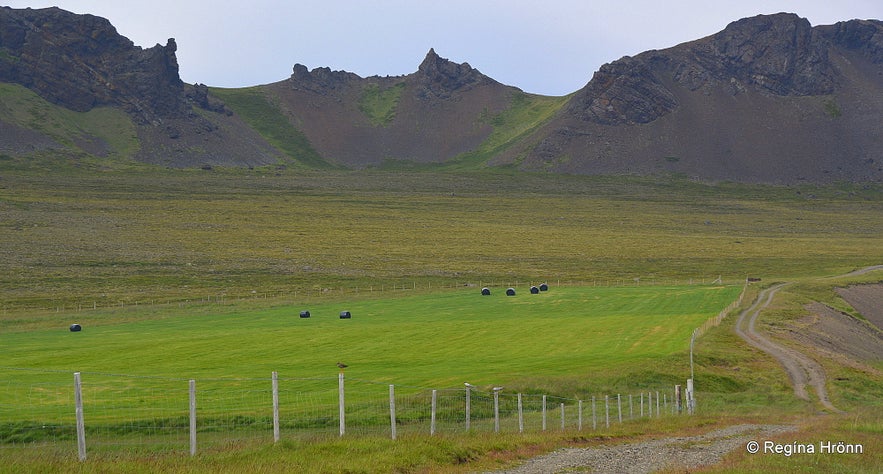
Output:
x=549 y=47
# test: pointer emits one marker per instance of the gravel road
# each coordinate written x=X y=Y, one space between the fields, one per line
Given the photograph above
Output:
x=650 y=456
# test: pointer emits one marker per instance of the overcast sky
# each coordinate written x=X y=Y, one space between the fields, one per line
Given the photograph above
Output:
x=547 y=47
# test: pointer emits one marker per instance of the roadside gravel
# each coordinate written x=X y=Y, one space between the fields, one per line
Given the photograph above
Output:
x=650 y=456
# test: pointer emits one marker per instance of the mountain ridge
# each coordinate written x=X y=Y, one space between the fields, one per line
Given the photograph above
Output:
x=768 y=99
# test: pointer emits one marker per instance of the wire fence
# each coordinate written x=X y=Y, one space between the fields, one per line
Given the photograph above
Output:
x=88 y=412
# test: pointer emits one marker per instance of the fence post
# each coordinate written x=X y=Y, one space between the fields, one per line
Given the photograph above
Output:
x=631 y=410
x=468 y=405
x=562 y=417
x=642 y=404
x=341 y=404
x=544 y=413
x=619 y=406
x=496 y=410
x=192 y=417
x=657 y=404
x=691 y=400
x=432 y=415
x=607 y=410
x=678 y=399
x=594 y=419
x=81 y=424
x=579 y=415
x=520 y=415
x=392 y=410
x=275 y=407
x=650 y=404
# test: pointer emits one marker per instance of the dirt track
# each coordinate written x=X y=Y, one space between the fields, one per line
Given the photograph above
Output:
x=709 y=448
x=801 y=369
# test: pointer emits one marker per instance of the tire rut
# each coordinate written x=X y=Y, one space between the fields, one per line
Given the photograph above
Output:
x=801 y=369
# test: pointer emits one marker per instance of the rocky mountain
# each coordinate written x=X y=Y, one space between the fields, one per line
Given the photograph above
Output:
x=80 y=63
x=768 y=99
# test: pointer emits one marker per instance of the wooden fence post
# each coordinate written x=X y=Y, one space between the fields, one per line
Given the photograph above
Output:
x=341 y=405
x=468 y=405
x=392 y=410
x=81 y=424
x=619 y=406
x=275 y=385
x=607 y=411
x=432 y=415
x=678 y=399
x=562 y=417
x=579 y=416
x=544 y=413
x=496 y=411
x=594 y=418
x=520 y=415
x=192 y=417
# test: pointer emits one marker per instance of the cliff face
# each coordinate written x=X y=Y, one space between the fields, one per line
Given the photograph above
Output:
x=769 y=98
x=80 y=62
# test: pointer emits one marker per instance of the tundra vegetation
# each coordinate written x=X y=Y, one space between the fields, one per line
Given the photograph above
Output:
x=124 y=250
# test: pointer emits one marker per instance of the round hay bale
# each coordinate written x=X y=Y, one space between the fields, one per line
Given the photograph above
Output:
x=305 y=314
x=510 y=292
x=76 y=328
x=485 y=291
x=345 y=315
x=534 y=290
x=544 y=287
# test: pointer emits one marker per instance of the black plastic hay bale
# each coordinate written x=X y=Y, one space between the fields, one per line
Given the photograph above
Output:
x=544 y=287
x=76 y=328
x=345 y=315
x=485 y=291
x=534 y=290
x=510 y=292
x=305 y=314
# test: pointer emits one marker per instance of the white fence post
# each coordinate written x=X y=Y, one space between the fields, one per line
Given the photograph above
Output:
x=468 y=406
x=631 y=409
x=192 y=417
x=579 y=415
x=81 y=424
x=691 y=398
x=496 y=411
x=341 y=405
x=544 y=413
x=432 y=410
x=520 y=415
x=594 y=418
x=607 y=410
x=392 y=410
x=657 y=404
x=562 y=417
x=619 y=406
x=275 y=407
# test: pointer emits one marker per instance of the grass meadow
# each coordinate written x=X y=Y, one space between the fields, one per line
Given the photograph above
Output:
x=202 y=274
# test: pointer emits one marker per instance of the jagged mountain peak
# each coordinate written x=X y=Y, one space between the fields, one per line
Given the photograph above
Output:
x=441 y=76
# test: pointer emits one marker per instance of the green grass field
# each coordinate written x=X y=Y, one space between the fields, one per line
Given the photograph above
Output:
x=193 y=274
x=599 y=336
